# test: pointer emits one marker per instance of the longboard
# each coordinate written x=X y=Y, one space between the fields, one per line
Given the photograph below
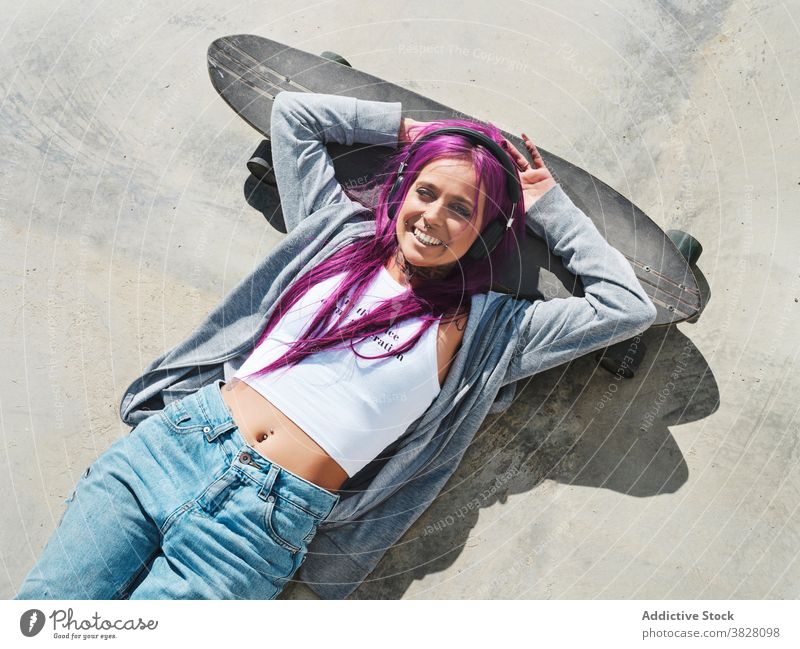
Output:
x=248 y=71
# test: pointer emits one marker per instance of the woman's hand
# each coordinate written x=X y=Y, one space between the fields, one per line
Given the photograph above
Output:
x=409 y=128
x=535 y=180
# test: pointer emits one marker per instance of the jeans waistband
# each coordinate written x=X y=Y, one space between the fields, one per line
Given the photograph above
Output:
x=273 y=478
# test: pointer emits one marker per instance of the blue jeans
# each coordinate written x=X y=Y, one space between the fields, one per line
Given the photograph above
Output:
x=181 y=508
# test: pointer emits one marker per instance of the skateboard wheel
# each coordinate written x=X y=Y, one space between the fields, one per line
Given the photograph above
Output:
x=336 y=58
x=623 y=358
x=687 y=245
x=260 y=163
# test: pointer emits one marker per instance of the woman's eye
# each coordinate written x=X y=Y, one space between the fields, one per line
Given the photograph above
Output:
x=458 y=209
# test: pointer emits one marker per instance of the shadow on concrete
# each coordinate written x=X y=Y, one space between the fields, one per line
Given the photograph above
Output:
x=574 y=424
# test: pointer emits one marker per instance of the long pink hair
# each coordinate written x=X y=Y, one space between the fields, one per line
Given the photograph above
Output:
x=362 y=259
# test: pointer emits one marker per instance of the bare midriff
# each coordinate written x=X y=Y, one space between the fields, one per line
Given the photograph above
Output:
x=278 y=438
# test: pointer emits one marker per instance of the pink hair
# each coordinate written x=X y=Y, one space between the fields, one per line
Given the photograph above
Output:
x=363 y=258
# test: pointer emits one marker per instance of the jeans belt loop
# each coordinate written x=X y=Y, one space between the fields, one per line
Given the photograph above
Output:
x=266 y=488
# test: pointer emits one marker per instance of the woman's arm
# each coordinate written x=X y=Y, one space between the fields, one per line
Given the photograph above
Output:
x=301 y=125
x=614 y=307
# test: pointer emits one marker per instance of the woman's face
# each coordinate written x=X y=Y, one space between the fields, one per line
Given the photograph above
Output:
x=441 y=198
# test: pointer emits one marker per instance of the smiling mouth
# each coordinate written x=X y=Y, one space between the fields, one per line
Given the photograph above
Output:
x=424 y=239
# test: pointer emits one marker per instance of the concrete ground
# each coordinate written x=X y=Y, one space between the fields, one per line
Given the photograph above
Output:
x=124 y=218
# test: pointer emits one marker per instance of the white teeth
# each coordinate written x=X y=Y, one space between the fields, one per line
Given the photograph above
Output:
x=424 y=238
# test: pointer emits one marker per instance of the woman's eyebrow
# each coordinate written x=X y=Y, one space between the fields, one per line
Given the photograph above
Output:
x=462 y=199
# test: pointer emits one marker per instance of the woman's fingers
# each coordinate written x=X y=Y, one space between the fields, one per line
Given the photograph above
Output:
x=529 y=174
x=521 y=160
x=516 y=156
x=537 y=157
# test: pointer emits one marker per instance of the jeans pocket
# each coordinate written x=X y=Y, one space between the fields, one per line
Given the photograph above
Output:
x=179 y=420
x=286 y=524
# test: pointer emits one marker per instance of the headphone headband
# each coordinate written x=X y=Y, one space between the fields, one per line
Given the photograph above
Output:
x=512 y=181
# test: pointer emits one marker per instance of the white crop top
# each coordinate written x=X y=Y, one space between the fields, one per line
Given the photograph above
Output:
x=351 y=406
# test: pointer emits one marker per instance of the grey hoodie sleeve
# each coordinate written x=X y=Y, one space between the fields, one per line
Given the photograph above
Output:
x=614 y=307
x=301 y=124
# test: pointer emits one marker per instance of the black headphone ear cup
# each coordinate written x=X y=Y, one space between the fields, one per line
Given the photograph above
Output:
x=486 y=243
x=393 y=208
x=476 y=251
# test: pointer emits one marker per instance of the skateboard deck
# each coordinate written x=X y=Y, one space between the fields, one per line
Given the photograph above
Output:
x=248 y=71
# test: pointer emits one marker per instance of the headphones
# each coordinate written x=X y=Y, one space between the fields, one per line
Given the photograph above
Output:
x=494 y=232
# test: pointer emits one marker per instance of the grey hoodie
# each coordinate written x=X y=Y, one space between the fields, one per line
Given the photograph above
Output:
x=506 y=339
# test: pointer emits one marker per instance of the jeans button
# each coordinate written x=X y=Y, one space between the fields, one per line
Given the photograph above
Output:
x=244 y=458
x=206 y=429
x=270 y=498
